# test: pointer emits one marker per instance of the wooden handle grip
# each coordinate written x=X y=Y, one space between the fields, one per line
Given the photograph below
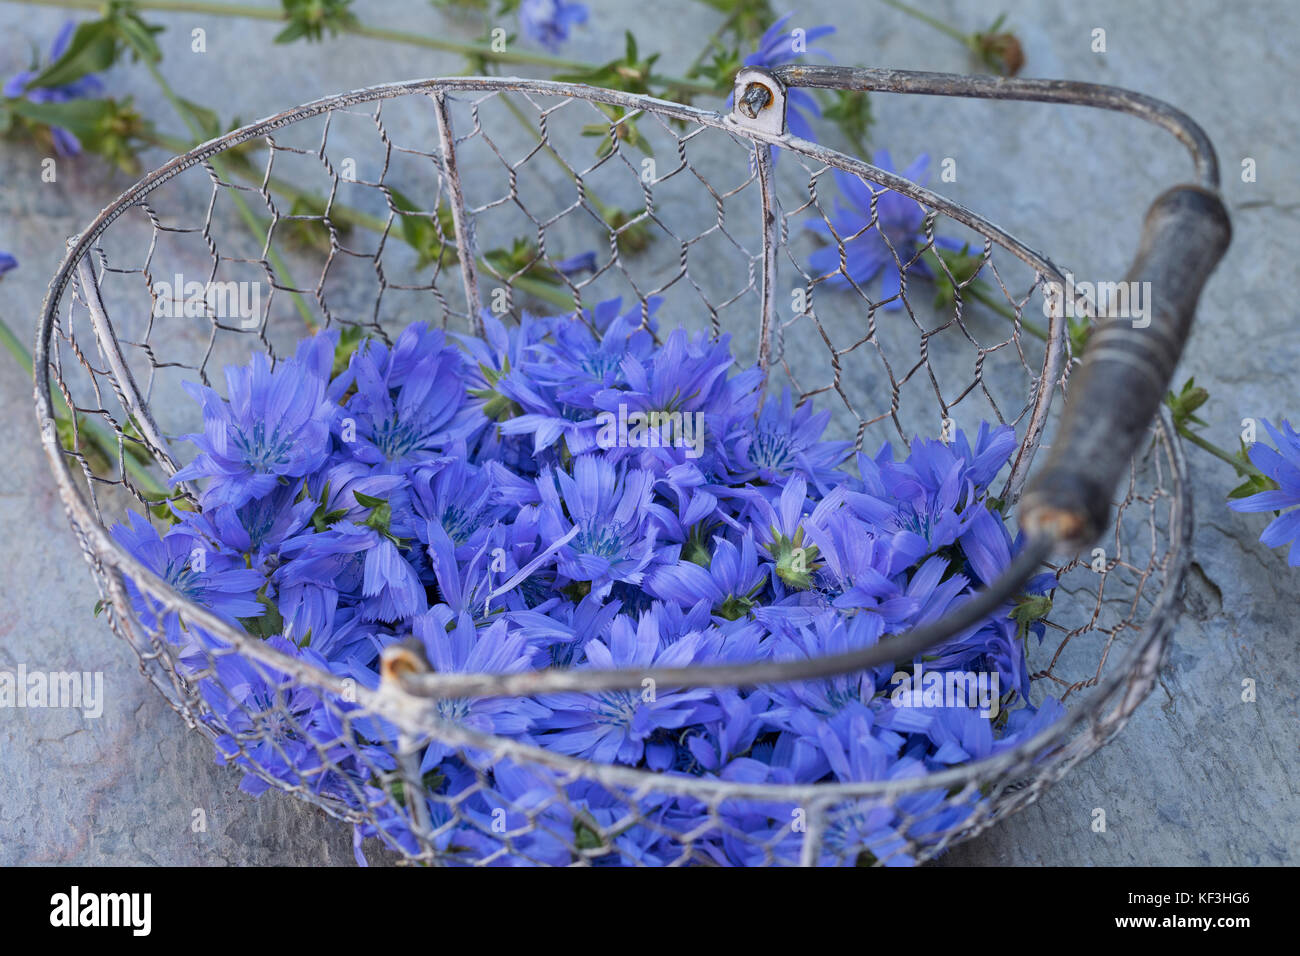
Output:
x=1127 y=369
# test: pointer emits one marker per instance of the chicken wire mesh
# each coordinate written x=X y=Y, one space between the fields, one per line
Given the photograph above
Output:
x=438 y=199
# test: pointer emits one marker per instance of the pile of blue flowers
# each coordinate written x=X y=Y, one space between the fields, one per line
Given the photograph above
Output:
x=587 y=493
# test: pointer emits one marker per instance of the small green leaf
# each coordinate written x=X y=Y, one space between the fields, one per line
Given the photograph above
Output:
x=311 y=18
x=795 y=563
x=1254 y=483
x=851 y=111
x=368 y=501
x=1183 y=404
x=350 y=339
x=721 y=70
x=293 y=31
x=496 y=407
x=322 y=518
x=165 y=510
x=953 y=272
x=586 y=833
x=1032 y=607
x=629 y=74
x=269 y=624
x=522 y=258
x=380 y=517
x=431 y=235
x=93 y=48
x=134 y=32
x=696 y=549
x=82 y=118
x=1080 y=332
x=208 y=122
x=631 y=229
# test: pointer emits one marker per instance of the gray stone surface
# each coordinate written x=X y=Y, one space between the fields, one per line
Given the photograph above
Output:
x=1198 y=777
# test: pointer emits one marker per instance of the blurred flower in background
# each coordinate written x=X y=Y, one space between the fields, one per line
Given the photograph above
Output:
x=19 y=85
x=548 y=21
x=879 y=231
x=576 y=265
x=7 y=263
x=780 y=46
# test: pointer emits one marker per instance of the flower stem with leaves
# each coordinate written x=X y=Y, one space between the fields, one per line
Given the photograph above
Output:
x=997 y=49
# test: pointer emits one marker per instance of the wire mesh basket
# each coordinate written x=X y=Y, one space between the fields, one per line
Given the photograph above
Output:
x=377 y=208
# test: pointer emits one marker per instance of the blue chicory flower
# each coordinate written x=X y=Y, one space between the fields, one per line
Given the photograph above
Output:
x=729 y=585
x=786 y=439
x=409 y=402
x=575 y=265
x=452 y=643
x=1282 y=465
x=194 y=566
x=604 y=514
x=882 y=233
x=778 y=47
x=549 y=21
x=619 y=726
x=274 y=424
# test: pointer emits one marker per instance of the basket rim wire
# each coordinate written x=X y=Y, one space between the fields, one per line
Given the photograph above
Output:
x=1057 y=743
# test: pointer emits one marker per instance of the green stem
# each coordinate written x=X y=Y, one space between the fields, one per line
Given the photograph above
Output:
x=979 y=295
x=255 y=226
x=242 y=167
x=519 y=114
x=478 y=51
x=103 y=437
x=174 y=6
x=925 y=18
x=106 y=440
x=1245 y=469
x=346 y=214
x=15 y=348
x=543 y=290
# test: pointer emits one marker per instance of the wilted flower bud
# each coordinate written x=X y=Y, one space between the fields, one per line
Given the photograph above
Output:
x=1002 y=51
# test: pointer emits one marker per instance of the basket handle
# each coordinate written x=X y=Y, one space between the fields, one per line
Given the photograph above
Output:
x=1127 y=369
